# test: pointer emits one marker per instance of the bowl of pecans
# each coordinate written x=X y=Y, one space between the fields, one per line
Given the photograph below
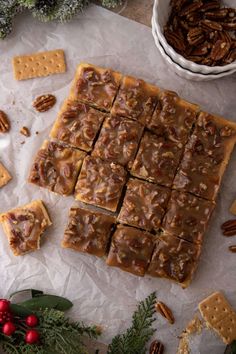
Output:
x=198 y=35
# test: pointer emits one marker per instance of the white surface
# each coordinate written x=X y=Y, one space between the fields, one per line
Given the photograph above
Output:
x=102 y=294
x=161 y=13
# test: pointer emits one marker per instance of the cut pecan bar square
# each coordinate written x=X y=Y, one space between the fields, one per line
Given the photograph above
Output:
x=187 y=216
x=173 y=117
x=88 y=231
x=206 y=156
x=95 y=86
x=174 y=259
x=77 y=125
x=157 y=159
x=144 y=205
x=56 y=167
x=136 y=99
x=100 y=183
x=5 y=176
x=118 y=140
x=131 y=250
x=24 y=226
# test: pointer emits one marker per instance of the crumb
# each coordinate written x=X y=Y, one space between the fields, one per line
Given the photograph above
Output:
x=183 y=347
x=37 y=133
x=25 y=131
x=23 y=142
x=194 y=326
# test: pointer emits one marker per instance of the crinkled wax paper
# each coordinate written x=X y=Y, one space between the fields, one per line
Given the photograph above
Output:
x=101 y=294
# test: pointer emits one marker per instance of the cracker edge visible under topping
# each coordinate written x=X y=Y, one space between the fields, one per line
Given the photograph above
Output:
x=5 y=176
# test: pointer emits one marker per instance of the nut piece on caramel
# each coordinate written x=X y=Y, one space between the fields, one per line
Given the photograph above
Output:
x=88 y=231
x=77 y=125
x=136 y=99
x=100 y=183
x=187 y=216
x=95 y=86
x=144 y=205
x=131 y=250
x=174 y=259
x=24 y=226
x=157 y=159
x=56 y=167
x=118 y=141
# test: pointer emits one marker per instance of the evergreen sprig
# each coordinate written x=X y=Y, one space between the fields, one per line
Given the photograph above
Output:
x=135 y=339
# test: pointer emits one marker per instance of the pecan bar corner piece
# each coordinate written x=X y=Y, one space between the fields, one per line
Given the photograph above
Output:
x=5 y=176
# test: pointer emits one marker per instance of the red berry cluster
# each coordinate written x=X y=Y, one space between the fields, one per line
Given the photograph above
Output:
x=9 y=327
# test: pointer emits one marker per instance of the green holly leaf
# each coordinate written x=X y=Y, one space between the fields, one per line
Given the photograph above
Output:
x=20 y=311
x=47 y=302
x=23 y=295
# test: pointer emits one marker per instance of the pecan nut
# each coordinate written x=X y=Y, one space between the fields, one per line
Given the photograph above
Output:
x=4 y=123
x=232 y=248
x=156 y=347
x=229 y=228
x=44 y=102
x=165 y=311
x=219 y=50
x=195 y=36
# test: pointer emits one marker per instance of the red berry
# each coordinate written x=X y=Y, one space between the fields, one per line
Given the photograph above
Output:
x=8 y=328
x=5 y=317
x=4 y=305
x=31 y=321
x=32 y=336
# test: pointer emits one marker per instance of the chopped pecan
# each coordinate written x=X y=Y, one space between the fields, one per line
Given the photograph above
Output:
x=44 y=102
x=219 y=50
x=195 y=36
x=156 y=347
x=232 y=249
x=165 y=311
x=25 y=131
x=4 y=123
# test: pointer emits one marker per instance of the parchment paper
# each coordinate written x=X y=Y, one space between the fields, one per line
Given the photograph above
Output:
x=101 y=294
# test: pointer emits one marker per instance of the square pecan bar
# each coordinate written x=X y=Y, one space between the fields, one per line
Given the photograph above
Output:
x=100 y=183
x=136 y=99
x=88 y=231
x=118 y=141
x=24 y=226
x=206 y=156
x=95 y=86
x=187 y=216
x=77 y=125
x=56 y=167
x=144 y=205
x=174 y=259
x=131 y=250
x=157 y=159
x=173 y=117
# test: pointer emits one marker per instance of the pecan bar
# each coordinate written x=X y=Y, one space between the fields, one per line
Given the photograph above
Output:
x=206 y=156
x=131 y=250
x=173 y=117
x=136 y=99
x=56 y=167
x=95 y=86
x=175 y=259
x=157 y=159
x=5 y=176
x=77 y=125
x=100 y=183
x=187 y=216
x=118 y=140
x=88 y=231
x=24 y=226
x=144 y=205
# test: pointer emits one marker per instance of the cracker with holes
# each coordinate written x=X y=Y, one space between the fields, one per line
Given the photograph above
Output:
x=5 y=176
x=39 y=64
x=220 y=316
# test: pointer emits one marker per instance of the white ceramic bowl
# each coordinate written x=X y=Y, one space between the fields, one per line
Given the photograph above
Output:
x=161 y=10
x=179 y=70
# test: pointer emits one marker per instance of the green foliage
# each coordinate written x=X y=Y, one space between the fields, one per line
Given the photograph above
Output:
x=231 y=349
x=8 y=10
x=134 y=340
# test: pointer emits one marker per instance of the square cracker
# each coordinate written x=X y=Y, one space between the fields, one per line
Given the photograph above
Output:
x=226 y=328
x=5 y=176
x=39 y=64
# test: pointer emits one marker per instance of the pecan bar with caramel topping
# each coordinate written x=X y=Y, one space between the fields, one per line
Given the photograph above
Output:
x=118 y=140
x=187 y=216
x=88 y=231
x=173 y=117
x=56 y=167
x=95 y=86
x=157 y=159
x=131 y=250
x=24 y=226
x=77 y=125
x=174 y=259
x=144 y=205
x=206 y=156
x=100 y=183
x=136 y=99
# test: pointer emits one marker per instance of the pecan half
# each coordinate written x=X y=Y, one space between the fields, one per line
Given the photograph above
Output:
x=195 y=36
x=175 y=40
x=229 y=228
x=44 y=102
x=156 y=347
x=232 y=249
x=219 y=50
x=4 y=123
x=25 y=131
x=211 y=25
x=217 y=15
x=193 y=6
x=165 y=311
